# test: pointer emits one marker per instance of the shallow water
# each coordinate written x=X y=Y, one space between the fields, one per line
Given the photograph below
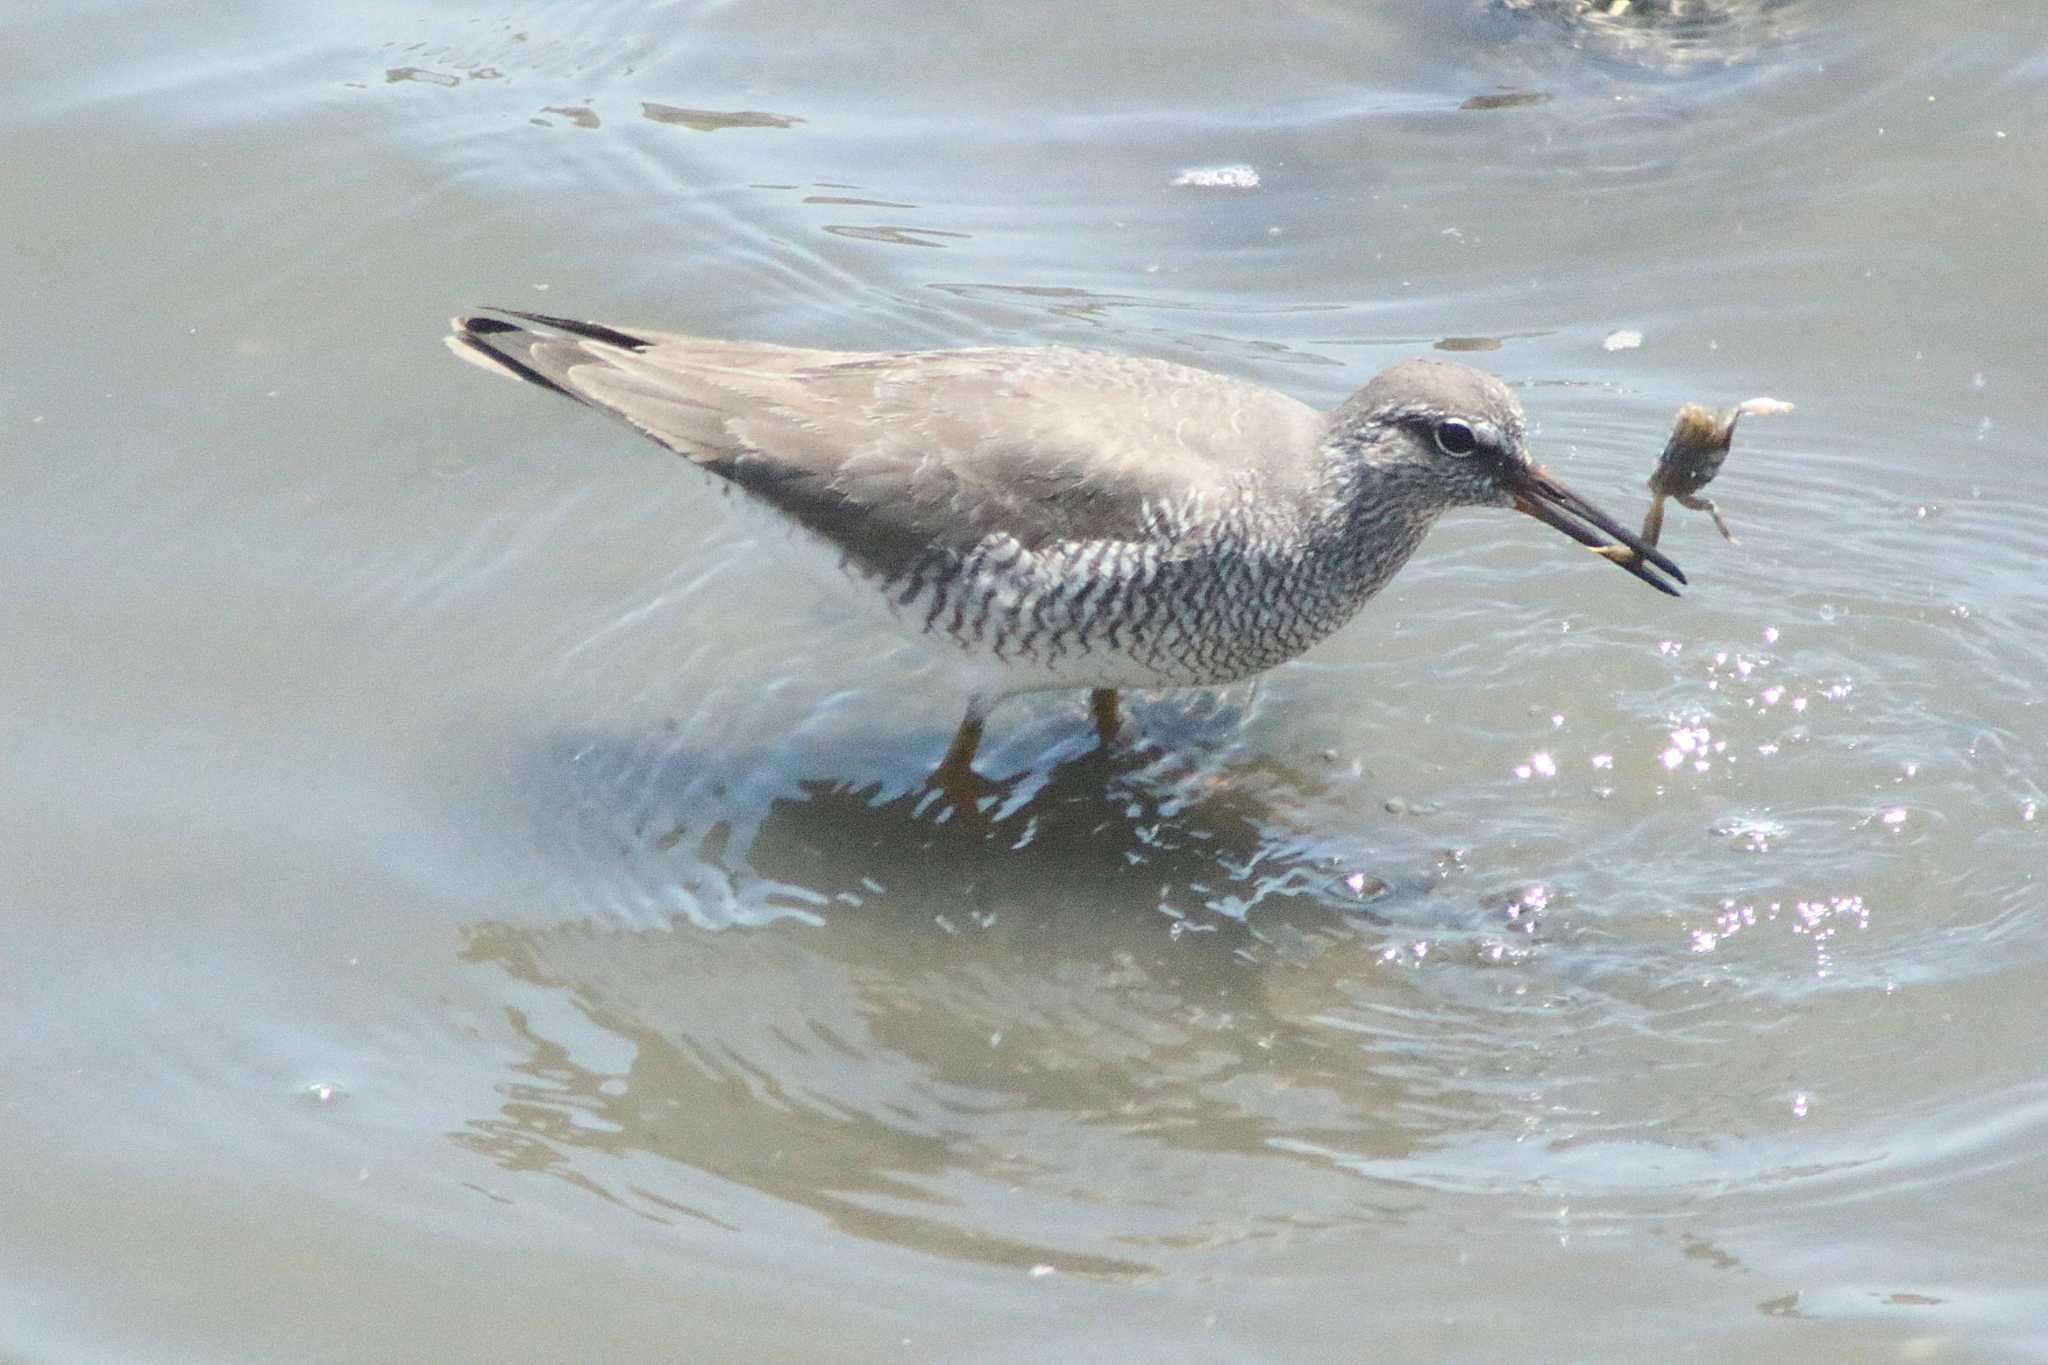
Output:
x=469 y=899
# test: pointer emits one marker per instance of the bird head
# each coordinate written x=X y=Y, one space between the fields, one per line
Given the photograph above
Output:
x=1439 y=435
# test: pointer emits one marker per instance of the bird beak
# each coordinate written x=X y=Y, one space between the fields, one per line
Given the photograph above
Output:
x=1547 y=500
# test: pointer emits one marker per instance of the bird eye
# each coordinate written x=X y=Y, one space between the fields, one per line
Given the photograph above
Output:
x=1455 y=438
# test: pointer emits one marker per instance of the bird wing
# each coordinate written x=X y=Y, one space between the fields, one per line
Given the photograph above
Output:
x=889 y=455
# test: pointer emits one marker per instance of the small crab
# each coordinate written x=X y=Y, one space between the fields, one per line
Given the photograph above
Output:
x=1692 y=457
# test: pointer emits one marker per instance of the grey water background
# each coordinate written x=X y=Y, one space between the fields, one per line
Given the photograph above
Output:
x=466 y=899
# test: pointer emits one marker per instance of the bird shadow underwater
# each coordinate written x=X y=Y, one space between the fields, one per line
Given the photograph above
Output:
x=1176 y=825
x=873 y=1004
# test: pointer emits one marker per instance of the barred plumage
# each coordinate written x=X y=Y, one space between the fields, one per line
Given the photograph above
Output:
x=1059 y=518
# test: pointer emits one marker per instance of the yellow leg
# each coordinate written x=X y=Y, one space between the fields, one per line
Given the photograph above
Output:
x=955 y=776
x=1102 y=701
x=959 y=759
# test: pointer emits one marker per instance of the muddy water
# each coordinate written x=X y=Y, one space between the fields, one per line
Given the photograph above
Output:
x=466 y=899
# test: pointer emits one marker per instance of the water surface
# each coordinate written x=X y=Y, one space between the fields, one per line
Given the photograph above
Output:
x=468 y=899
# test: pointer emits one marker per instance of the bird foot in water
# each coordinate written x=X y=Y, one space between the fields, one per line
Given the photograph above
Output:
x=964 y=789
x=1102 y=704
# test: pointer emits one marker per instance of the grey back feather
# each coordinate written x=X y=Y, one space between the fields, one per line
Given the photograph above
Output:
x=893 y=455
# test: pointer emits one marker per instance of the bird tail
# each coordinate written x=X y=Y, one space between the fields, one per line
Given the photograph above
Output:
x=538 y=357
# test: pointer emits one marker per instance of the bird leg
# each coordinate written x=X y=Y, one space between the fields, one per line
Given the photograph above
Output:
x=1102 y=701
x=1700 y=504
x=955 y=777
x=959 y=759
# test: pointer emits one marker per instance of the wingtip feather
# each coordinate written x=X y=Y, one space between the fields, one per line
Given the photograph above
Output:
x=470 y=341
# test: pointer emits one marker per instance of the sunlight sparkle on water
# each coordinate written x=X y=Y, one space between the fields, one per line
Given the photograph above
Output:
x=1694 y=743
x=1816 y=920
x=1750 y=834
x=1524 y=908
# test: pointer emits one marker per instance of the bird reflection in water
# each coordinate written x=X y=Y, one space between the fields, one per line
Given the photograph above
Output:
x=1078 y=999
